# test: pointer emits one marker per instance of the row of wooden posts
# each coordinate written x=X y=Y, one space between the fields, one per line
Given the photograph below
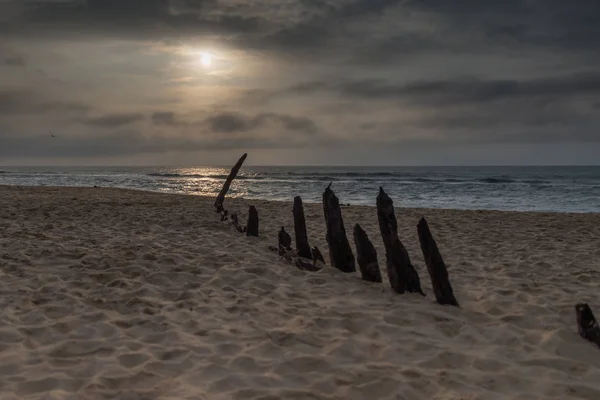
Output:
x=402 y=275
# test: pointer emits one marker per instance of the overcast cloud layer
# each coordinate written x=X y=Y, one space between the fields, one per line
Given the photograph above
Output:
x=300 y=81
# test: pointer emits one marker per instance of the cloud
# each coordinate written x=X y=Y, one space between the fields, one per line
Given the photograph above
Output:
x=449 y=91
x=164 y=118
x=230 y=122
x=389 y=71
x=112 y=120
x=23 y=102
x=469 y=90
x=15 y=61
x=134 y=19
x=356 y=31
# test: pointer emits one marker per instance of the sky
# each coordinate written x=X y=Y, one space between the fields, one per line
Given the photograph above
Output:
x=299 y=82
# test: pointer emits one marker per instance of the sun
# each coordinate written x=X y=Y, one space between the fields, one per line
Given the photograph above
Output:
x=206 y=59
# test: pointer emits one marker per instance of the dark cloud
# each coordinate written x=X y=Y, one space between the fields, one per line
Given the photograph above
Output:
x=18 y=102
x=473 y=90
x=228 y=122
x=112 y=120
x=15 y=61
x=451 y=91
x=165 y=118
x=357 y=30
x=134 y=19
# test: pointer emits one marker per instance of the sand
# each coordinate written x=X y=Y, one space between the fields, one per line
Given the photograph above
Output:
x=109 y=293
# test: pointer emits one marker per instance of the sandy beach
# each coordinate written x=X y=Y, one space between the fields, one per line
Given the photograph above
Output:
x=121 y=294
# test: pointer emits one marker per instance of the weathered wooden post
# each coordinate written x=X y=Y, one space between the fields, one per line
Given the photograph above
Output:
x=435 y=266
x=221 y=197
x=340 y=252
x=252 y=225
x=587 y=324
x=284 y=241
x=302 y=245
x=366 y=256
x=402 y=274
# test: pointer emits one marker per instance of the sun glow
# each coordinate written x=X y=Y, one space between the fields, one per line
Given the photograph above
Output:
x=206 y=59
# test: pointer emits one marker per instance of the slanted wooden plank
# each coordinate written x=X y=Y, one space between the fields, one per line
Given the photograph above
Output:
x=221 y=197
x=435 y=266
x=302 y=245
x=340 y=252
x=252 y=225
x=366 y=256
x=587 y=324
x=401 y=273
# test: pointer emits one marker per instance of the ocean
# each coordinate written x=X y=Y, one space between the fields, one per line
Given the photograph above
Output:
x=561 y=189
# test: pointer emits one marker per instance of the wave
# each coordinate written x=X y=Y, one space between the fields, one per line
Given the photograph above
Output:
x=343 y=174
x=164 y=175
x=496 y=180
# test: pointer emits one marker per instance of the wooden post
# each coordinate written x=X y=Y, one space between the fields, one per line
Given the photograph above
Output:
x=402 y=274
x=366 y=256
x=284 y=241
x=587 y=324
x=302 y=245
x=340 y=252
x=252 y=225
x=221 y=197
x=435 y=266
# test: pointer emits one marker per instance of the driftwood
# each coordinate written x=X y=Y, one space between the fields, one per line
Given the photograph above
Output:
x=221 y=197
x=235 y=222
x=402 y=274
x=284 y=241
x=316 y=255
x=300 y=229
x=252 y=224
x=366 y=256
x=340 y=252
x=435 y=266
x=224 y=215
x=587 y=324
x=306 y=264
x=291 y=256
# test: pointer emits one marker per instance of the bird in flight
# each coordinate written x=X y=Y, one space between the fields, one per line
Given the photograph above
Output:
x=52 y=134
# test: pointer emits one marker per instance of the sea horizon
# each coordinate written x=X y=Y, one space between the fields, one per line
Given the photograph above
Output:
x=505 y=188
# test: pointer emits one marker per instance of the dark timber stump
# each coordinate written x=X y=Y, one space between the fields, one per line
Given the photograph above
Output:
x=221 y=197
x=587 y=324
x=402 y=274
x=252 y=225
x=340 y=252
x=284 y=241
x=435 y=266
x=302 y=245
x=366 y=256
